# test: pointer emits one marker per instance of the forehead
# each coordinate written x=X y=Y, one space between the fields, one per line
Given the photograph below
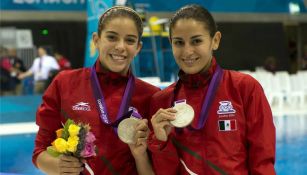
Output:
x=189 y=27
x=121 y=24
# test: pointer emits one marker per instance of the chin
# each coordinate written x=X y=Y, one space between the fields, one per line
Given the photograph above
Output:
x=190 y=70
x=118 y=70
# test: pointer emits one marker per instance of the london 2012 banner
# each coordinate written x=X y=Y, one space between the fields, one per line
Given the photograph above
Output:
x=94 y=10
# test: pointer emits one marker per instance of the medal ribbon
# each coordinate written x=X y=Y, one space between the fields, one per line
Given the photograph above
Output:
x=217 y=76
x=101 y=105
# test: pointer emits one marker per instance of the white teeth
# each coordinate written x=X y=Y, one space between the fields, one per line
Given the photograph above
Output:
x=189 y=61
x=118 y=57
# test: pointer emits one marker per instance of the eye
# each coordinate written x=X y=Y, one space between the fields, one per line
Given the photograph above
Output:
x=196 y=41
x=131 y=41
x=178 y=42
x=111 y=37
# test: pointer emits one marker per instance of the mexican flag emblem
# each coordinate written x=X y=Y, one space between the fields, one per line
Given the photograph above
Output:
x=227 y=125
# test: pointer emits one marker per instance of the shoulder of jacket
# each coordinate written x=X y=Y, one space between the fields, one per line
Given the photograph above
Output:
x=165 y=93
x=143 y=84
x=74 y=74
x=242 y=80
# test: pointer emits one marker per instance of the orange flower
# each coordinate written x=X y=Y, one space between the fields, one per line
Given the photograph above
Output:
x=59 y=132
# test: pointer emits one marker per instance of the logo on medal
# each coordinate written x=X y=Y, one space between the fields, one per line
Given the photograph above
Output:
x=226 y=108
x=81 y=106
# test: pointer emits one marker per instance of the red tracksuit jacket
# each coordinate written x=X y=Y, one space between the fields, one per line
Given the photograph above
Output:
x=64 y=63
x=72 y=87
x=245 y=146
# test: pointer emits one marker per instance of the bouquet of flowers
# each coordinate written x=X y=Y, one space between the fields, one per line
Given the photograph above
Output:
x=74 y=140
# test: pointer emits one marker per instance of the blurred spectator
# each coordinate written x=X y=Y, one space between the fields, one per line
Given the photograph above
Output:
x=41 y=67
x=270 y=64
x=293 y=56
x=17 y=68
x=62 y=61
x=64 y=65
x=304 y=59
x=5 y=67
x=11 y=67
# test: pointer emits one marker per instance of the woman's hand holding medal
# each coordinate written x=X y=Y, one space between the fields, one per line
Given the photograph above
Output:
x=134 y=132
x=139 y=145
x=161 y=122
x=180 y=116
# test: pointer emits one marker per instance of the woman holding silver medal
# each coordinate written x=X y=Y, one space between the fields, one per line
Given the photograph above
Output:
x=220 y=122
x=103 y=96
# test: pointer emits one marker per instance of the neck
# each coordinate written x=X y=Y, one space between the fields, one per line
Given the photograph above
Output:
x=105 y=69
x=207 y=66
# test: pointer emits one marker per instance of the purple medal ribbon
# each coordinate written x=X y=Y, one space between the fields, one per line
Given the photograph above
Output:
x=101 y=105
x=135 y=113
x=179 y=101
x=217 y=76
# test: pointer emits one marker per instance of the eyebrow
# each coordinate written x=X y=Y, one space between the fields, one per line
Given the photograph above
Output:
x=176 y=38
x=193 y=37
x=112 y=32
x=196 y=36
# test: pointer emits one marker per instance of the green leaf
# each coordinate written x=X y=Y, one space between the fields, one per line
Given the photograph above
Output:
x=65 y=134
x=51 y=150
x=68 y=122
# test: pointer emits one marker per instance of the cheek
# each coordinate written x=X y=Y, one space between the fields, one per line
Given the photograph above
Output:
x=103 y=51
x=132 y=50
x=176 y=53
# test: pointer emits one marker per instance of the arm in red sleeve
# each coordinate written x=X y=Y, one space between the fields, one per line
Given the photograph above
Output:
x=165 y=158
x=48 y=119
x=260 y=131
x=164 y=155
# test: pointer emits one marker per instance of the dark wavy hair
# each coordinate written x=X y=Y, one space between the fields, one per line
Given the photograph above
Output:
x=197 y=13
x=120 y=11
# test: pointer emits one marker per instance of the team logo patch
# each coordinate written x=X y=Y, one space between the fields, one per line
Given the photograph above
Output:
x=227 y=125
x=81 y=106
x=226 y=108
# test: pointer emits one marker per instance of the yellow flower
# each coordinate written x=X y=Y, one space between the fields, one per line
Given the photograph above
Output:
x=59 y=132
x=73 y=130
x=72 y=143
x=60 y=145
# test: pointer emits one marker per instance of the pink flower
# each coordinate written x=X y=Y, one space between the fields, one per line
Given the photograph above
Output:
x=88 y=150
x=89 y=138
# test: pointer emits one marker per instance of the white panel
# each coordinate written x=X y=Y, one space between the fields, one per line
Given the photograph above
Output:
x=24 y=39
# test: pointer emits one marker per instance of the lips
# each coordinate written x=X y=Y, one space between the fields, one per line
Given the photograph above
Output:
x=190 y=61
x=118 y=57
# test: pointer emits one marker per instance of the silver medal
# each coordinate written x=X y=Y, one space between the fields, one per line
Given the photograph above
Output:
x=184 y=115
x=126 y=130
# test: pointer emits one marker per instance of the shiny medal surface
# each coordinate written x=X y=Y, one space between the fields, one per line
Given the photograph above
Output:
x=126 y=130
x=184 y=115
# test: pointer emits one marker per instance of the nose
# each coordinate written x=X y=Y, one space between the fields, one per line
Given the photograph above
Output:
x=120 y=45
x=188 y=50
